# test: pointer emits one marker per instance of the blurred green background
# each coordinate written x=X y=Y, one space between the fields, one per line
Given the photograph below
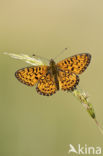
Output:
x=31 y=124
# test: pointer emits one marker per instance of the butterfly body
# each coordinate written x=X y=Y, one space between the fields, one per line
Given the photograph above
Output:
x=62 y=75
x=54 y=72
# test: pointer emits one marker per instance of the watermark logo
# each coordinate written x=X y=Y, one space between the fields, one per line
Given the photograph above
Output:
x=85 y=149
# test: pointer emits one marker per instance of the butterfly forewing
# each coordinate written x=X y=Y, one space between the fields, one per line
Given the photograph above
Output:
x=76 y=64
x=31 y=75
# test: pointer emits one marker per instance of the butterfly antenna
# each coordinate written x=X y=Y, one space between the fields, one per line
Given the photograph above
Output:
x=34 y=55
x=62 y=52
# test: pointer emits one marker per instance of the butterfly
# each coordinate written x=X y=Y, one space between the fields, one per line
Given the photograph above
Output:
x=49 y=79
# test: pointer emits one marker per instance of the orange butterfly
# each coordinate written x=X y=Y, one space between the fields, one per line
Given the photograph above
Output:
x=49 y=79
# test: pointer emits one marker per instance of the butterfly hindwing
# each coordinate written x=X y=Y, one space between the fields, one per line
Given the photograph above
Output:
x=76 y=64
x=31 y=75
x=68 y=81
x=46 y=85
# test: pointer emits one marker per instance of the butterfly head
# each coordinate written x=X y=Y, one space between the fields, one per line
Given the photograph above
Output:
x=52 y=63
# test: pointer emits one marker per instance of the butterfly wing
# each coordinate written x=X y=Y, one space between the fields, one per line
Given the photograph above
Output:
x=46 y=85
x=31 y=75
x=76 y=64
x=68 y=81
